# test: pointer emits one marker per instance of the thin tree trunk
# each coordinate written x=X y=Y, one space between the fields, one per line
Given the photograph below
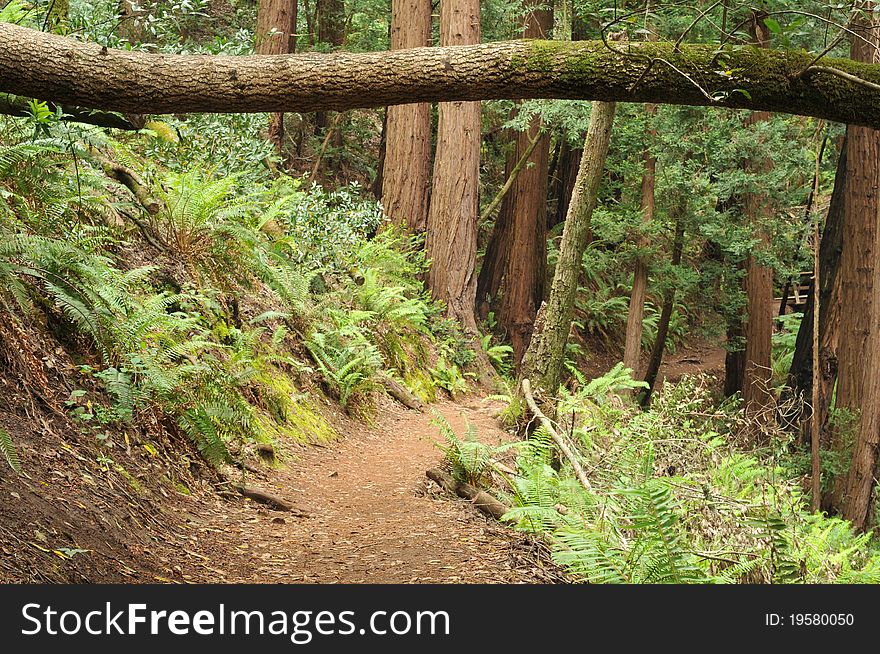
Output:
x=407 y=169
x=634 y=323
x=659 y=347
x=546 y=354
x=452 y=218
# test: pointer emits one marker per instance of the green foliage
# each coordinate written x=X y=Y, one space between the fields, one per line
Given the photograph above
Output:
x=449 y=377
x=470 y=459
x=7 y=448
x=675 y=501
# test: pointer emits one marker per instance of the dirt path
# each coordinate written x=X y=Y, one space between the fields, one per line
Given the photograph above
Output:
x=374 y=516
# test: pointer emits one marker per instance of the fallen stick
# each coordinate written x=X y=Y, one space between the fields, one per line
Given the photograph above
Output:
x=401 y=394
x=269 y=499
x=560 y=442
x=481 y=499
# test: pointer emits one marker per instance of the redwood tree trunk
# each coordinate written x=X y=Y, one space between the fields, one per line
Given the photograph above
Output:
x=859 y=379
x=524 y=209
x=274 y=34
x=406 y=173
x=452 y=218
x=757 y=371
x=543 y=362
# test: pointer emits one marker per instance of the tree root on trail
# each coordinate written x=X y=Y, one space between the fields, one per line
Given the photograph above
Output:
x=481 y=499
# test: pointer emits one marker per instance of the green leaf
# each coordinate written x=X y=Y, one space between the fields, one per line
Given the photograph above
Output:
x=773 y=25
x=8 y=450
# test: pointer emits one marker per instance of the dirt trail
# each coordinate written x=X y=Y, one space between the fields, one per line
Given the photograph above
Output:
x=374 y=518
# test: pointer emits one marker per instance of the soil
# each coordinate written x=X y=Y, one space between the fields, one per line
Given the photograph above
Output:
x=373 y=516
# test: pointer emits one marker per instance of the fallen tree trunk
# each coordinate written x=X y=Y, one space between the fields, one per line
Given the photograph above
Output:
x=67 y=71
x=481 y=499
x=402 y=395
x=269 y=499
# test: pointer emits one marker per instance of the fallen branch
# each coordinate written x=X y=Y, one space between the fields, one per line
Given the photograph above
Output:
x=481 y=499
x=263 y=497
x=402 y=395
x=560 y=442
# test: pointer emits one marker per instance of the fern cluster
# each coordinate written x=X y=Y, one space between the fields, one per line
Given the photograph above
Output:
x=674 y=498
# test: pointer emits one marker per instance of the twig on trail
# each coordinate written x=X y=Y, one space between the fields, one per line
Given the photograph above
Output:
x=560 y=442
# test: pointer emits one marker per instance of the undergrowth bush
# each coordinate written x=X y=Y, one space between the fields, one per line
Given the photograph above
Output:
x=676 y=496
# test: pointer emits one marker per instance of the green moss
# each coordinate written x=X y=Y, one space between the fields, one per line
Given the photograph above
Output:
x=306 y=426
x=421 y=384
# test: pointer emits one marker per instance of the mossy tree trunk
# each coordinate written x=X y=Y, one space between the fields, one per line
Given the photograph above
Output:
x=50 y=67
x=544 y=359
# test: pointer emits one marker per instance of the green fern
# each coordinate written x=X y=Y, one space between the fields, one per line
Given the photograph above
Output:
x=7 y=447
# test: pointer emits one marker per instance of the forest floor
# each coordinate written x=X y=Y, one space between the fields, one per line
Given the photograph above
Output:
x=373 y=516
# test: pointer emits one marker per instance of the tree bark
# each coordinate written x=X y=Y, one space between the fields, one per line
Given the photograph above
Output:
x=800 y=375
x=51 y=67
x=274 y=34
x=757 y=371
x=659 y=347
x=524 y=209
x=546 y=354
x=633 y=341
x=406 y=176
x=452 y=217
x=858 y=386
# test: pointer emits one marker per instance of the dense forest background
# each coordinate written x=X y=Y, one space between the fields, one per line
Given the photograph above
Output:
x=189 y=299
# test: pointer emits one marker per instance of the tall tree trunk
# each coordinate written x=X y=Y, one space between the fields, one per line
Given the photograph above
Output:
x=563 y=182
x=757 y=371
x=452 y=218
x=656 y=358
x=330 y=27
x=859 y=378
x=406 y=173
x=800 y=374
x=274 y=34
x=524 y=208
x=634 y=323
x=543 y=362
